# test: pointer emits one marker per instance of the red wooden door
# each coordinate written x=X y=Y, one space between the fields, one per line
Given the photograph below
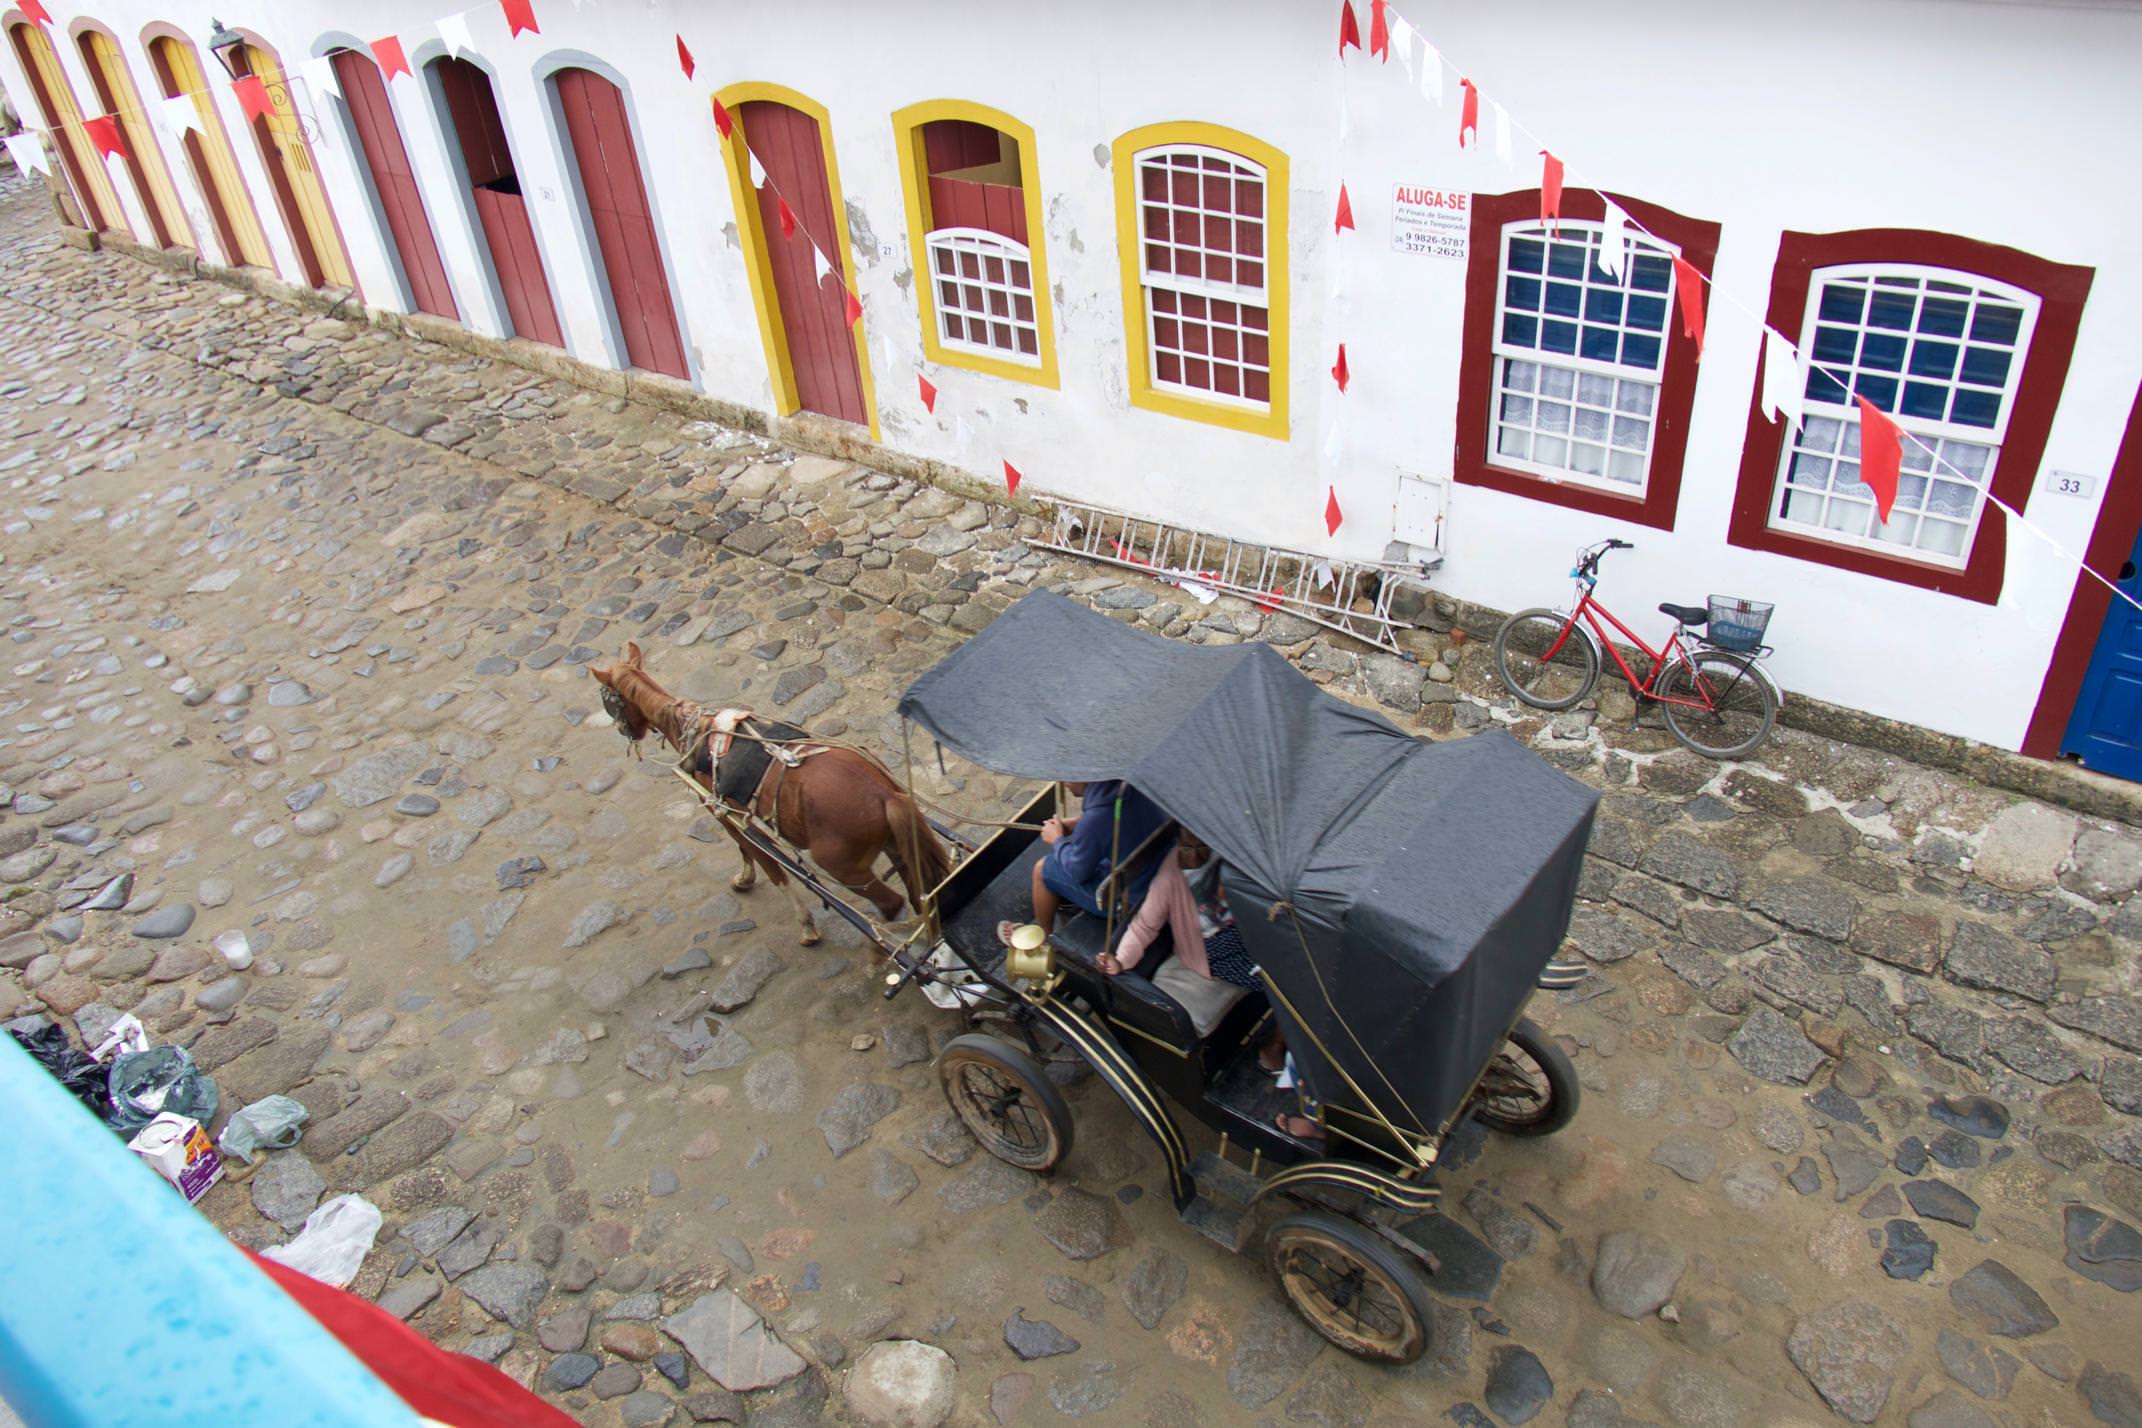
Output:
x=624 y=224
x=394 y=180
x=814 y=319
x=500 y=210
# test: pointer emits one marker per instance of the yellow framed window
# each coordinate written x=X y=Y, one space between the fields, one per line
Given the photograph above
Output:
x=974 y=227
x=1201 y=216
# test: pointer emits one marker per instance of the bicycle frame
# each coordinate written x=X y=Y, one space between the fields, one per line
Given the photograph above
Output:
x=1592 y=612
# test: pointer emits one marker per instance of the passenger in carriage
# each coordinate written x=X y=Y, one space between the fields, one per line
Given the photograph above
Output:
x=1188 y=898
x=1081 y=848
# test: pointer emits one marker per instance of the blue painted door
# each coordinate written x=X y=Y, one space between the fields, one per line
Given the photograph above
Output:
x=2105 y=732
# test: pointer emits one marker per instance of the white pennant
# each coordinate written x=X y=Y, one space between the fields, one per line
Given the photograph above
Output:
x=1502 y=133
x=319 y=74
x=1614 y=242
x=28 y=153
x=1431 y=73
x=1784 y=380
x=758 y=170
x=819 y=267
x=1331 y=446
x=1402 y=42
x=1324 y=577
x=179 y=113
x=454 y=29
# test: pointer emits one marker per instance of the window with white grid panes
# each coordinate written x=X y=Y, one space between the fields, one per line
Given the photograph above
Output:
x=1942 y=353
x=1579 y=354
x=1201 y=260
x=985 y=294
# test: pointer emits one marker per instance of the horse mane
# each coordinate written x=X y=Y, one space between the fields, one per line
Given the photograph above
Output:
x=655 y=704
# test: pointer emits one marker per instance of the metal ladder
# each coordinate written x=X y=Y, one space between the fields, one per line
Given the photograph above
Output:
x=1351 y=597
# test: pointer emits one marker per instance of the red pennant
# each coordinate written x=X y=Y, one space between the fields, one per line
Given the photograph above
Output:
x=104 y=133
x=1469 y=113
x=1346 y=211
x=1332 y=515
x=689 y=65
x=1339 y=373
x=787 y=216
x=1379 y=31
x=520 y=15
x=852 y=307
x=253 y=99
x=1012 y=478
x=929 y=394
x=1551 y=191
x=391 y=59
x=722 y=121
x=1881 y=453
x=34 y=12
x=1689 y=283
x=1349 y=27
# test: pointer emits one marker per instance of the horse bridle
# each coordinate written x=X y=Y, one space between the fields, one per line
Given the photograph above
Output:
x=613 y=704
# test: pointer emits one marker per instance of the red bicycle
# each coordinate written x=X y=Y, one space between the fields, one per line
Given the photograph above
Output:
x=1717 y=700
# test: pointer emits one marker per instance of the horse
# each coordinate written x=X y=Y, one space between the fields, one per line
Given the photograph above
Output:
x=834 y=802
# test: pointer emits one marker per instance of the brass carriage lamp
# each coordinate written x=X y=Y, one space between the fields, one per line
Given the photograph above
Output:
x=1030 y=955
x=228 y=46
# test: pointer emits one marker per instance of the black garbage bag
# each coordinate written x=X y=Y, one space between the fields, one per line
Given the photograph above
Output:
x=86 y=1078
x=147 y=1083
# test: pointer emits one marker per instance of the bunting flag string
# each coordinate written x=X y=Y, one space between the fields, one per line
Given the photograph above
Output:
x=1614 y=243
x=1345 y=217
x=691 y=66
x=319 y=74
x=1688 y=287
x=1012 y=478
x=786 y=214
x=1332 y=514
x=723 y=123
x=34 y=12
x=391 y=59
x=1402 y=41
x=1784 y=380
x=1379 y=30
x=819 y=266
x=180 y=113
x=1468 y=114
x=1881 y=455
x=1551 y=192
x=928 y=393
x=520 y=16
x=1349 y=28
x=756 y=169
x=1339 y=371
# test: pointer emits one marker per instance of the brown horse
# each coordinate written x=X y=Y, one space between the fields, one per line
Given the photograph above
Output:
x=837 y=804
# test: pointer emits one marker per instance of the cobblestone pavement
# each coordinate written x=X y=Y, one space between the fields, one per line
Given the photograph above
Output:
x=299 y=613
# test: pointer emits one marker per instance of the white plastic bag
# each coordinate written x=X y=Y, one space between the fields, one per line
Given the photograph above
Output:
x=271 y=1123
x=334 y=1241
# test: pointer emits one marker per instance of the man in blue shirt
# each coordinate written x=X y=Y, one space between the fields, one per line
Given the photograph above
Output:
x=1113 y=819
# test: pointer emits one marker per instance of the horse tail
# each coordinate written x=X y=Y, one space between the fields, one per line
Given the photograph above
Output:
x=917 y=852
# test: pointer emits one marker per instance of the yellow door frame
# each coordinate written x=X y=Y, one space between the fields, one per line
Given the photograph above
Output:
x=299 y=166
x=236 y=198
x=68 y=121
x=103 y=52
x=758 y=261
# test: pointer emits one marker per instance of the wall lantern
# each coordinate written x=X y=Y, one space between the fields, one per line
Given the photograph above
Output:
x=229 y=48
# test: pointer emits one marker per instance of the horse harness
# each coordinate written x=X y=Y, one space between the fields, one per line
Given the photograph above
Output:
x=745 y=760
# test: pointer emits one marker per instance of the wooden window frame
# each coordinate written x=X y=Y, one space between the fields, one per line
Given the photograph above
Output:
x=1260 y=419
x=1472 y=461
x=2061 y=290
x=908 y=125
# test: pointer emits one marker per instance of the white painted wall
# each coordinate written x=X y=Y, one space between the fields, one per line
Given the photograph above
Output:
x=2011 y=123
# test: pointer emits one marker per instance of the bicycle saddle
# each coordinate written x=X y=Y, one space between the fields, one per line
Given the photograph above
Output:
x=1687 y=614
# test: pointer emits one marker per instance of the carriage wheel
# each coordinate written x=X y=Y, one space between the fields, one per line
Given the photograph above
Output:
x=1002 y=1096
x=1529 y=1088
x=1354 y=1289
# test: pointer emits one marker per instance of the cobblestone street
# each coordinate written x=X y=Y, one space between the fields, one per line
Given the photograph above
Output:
x=300 y=614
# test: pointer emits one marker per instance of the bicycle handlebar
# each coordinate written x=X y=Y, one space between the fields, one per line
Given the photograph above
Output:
x=1588 y=560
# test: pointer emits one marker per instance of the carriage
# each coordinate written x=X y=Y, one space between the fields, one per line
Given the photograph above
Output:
x=1402 y=901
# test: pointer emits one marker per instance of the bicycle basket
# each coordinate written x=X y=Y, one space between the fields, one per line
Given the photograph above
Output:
x=1738 y=624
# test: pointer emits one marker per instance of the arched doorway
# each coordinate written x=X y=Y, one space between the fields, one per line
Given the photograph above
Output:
x=85 y=170
x=394 y=183
x=479 y=132
x=599 y=136
x=284 y=152
x=177 y=71
x=814 y=352
x=144 y=160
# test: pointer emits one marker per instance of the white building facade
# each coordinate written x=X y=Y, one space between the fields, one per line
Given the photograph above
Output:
x=1106 y=239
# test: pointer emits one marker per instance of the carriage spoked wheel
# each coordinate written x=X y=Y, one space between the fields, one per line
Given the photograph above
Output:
x=1005 y=1100
x=1530 y=1088
x=1352 y=1287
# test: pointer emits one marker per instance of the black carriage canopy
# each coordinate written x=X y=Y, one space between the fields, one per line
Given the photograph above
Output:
x=1429 y=883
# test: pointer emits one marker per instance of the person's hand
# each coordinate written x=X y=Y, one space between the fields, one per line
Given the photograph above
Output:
x=1052 y=829
x=1108 y=963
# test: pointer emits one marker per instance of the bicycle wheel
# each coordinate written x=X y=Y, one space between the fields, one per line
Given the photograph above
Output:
x=1731 y=709
x=1545 y=659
